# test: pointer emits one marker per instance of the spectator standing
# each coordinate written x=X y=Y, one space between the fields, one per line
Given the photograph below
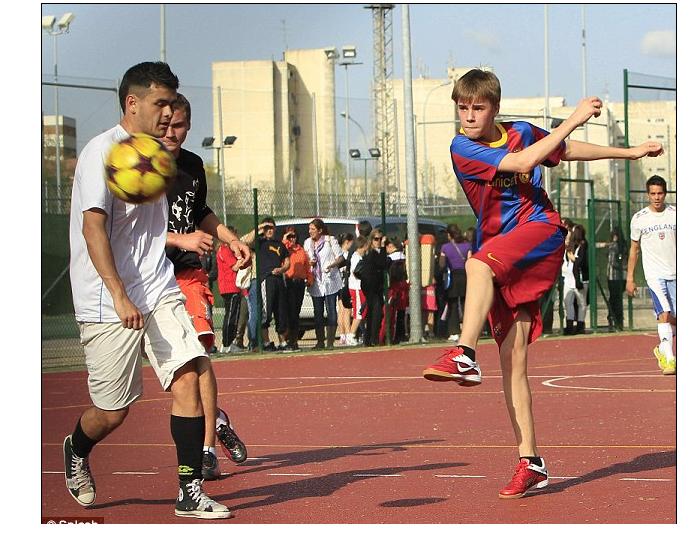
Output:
x=273 y=263
x=397 y=293
x=298 y=276
x=345 y=241
x=357 y=296
x=325 y=258
x=453 y=256
x=577 y=252
x=228 y=265
x=374 y=263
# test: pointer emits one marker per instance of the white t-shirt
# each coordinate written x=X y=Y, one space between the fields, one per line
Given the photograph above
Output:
x=353 y=281
x=137 y=234
x=657 y=233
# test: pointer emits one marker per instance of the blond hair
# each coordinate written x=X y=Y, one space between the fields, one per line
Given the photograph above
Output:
x=477 y=84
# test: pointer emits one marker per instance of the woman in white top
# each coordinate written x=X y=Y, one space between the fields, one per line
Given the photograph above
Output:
x=325 y=257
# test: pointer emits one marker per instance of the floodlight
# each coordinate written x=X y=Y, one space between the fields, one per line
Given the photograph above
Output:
x=229 y=140
x=331 y=53
x=354 y=153
x=47 y=22
x=208 y=142
x=65 y=21
x=350 y=52
x=374 y=152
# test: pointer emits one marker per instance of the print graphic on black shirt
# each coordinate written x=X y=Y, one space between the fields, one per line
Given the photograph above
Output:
x=187 y=198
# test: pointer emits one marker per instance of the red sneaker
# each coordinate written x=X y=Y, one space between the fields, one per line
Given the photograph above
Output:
x=455 y=366
x=527 y=477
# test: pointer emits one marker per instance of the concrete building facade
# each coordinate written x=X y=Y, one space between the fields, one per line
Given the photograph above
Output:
x=283 y=115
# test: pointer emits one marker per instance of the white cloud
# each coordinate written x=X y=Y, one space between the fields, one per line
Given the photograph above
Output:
x=487 y=40
x=662 y=44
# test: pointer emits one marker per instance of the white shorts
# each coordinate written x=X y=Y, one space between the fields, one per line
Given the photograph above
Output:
x=114 y=353
x=664 y=295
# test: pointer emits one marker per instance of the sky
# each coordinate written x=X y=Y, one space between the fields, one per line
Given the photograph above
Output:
x=105 y=39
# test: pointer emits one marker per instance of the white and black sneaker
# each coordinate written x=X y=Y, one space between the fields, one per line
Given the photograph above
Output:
x=232 y=445
x=193 y=502
x=78 y=477
x=211 y=466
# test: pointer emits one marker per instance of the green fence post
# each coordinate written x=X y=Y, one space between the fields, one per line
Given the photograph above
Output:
x=385 y=281
x=592 y=261
x=259 y=301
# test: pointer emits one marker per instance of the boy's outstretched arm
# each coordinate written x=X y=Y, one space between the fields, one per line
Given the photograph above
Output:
x=526 y=160
x=577 y=151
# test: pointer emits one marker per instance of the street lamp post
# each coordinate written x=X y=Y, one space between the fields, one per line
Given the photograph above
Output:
x=426 y=184
x=375 y=154
x=364 y=136
x=348 y=54
x=208 y=144
x=48 y=24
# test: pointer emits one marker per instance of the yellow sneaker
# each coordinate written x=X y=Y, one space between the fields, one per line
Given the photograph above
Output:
x=671 y=368
x=668 y=367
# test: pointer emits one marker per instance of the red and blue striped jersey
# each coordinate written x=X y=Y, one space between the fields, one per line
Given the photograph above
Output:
x=502 y=200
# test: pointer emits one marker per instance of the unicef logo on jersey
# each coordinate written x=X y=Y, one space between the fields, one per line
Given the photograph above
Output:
x=510 y=180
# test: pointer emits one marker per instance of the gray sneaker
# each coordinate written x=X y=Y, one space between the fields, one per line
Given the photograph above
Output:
x=193 y=502
x=211 y=467
x=78 y=477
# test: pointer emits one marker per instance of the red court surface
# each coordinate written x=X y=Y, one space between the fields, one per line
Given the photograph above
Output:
x=360 y=437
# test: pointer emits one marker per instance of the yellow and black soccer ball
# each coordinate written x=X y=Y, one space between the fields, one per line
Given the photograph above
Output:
x=139 y=169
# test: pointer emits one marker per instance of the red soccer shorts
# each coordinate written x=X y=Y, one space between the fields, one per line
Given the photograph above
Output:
x=526 y=262
x=193 y=282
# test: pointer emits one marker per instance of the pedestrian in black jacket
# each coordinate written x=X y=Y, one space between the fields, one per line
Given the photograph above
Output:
x=374 y=264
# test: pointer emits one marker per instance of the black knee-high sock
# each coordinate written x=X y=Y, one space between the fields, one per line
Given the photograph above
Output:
x=188 y=434
x=81 y=444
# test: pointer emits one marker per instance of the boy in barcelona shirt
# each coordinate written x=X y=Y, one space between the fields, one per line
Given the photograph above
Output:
x=518 y=248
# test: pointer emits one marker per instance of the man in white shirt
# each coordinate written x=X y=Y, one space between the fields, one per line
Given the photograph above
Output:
x=654 y=232
x=127 y=300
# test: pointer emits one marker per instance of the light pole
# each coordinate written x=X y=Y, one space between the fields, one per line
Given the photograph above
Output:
x=375 y=154
x=348 y=55
x=208 y=144
x=343 y=114
x=48 y=24
x=426 y=184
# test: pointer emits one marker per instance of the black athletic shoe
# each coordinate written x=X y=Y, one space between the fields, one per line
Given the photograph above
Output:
x=193 y=502
x=211 y=467
x=232 y=445
x=78 y=477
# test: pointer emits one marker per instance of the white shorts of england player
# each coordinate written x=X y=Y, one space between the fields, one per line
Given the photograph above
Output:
x=664 y=295
x=114 y=354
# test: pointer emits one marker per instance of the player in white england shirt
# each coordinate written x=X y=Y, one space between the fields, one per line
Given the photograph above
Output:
x=654 y=233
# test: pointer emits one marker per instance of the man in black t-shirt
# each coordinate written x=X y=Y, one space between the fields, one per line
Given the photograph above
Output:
x=274 y=261
x=191 y=230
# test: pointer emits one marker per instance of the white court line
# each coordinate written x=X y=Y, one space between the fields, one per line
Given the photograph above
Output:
x=377 y=475
x=290 y=474
x=551 y=382
x=462 y=476
x=639 y=479
x=135 y=473
x=553 y=477
x=56 y=472
x=250 y=459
